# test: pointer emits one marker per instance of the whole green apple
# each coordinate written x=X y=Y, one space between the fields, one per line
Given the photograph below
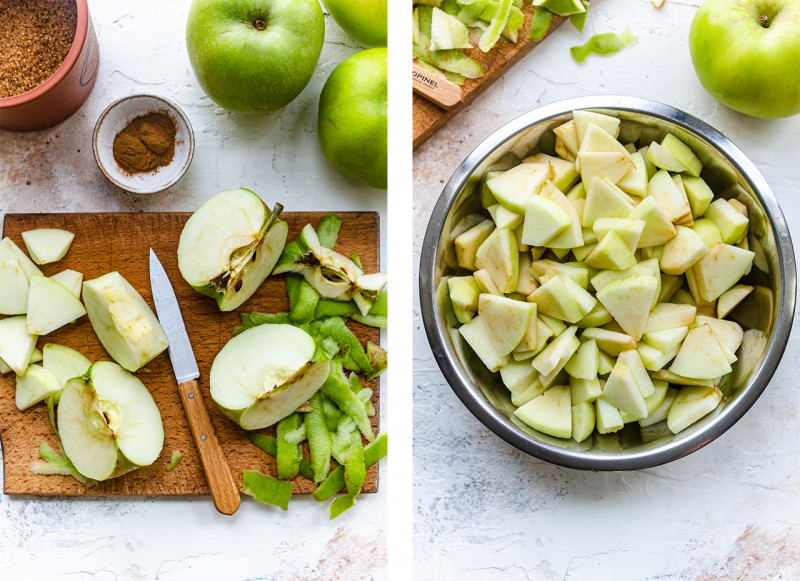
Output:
x=352 y=117
x=747 y=54
x=254 y=55
x=364 y=20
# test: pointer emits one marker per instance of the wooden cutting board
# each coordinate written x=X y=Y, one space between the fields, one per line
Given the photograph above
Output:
x=428 y=117
x=121 y=242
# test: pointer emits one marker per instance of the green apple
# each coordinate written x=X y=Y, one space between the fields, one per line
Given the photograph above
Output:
x=254 y=55
x=352 y=120
x=364 y=20
x=746 y=53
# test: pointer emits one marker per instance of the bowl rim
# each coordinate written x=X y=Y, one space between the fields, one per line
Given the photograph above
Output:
x=170 y=105
x=482 y=409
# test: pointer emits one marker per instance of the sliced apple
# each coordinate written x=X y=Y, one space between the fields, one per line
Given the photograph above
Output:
x=549 y=413
x=731 y=298
x=16 y=271
x=517 y=375
x=477 y=336
x=669 y=197
x=123 y=321
x=680 y=253
x=690 y=405
x=35 y=385
x=700 y=356
x=16 y=344
x=567 y=134
x=499 y=256
x=555 y=299
x=635 y=181
x=654 y=359
x=666 y=340
x=699 y=194
x=544 y=220
x=583 y=118
x=504 y=218
x=506 y=320
x=622 y=392
x=548 y=359
x=70 y=279
x=585 y=362
x=605 y=200
x=50 y=306
x=660 y=413
x=629 y=230
x=571 y=236
x=612 y=166
x=466 y=244
x=629 y=301
x=109 y=424
x=464 y=292
x=720 y=269
x=658 y=228
x=584 y=390
x=47 y=245
x=64 y=363
x=607 y=417
x=663 y=159
x=514 y=187
x=582 y=421
x=731 y=223
x=610 y=342
x=230 y=245
x=670 y=316
x=611 y=253
x=265 y=373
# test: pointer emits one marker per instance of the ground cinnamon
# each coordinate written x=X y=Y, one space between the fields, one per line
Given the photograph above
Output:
x=146 y=143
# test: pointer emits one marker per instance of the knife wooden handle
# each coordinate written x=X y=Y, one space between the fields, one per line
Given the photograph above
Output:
x=220 y=481
x=434 y=88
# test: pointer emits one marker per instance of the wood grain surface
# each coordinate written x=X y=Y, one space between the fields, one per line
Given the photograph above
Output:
x=429 y=117
x=121 y=242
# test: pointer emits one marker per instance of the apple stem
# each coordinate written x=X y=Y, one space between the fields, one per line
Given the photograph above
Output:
x=763 y=20
x=259 y=24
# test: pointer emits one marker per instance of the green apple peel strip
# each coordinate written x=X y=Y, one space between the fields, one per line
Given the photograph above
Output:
x=604 y=44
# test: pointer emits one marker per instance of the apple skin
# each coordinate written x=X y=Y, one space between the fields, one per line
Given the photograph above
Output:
x=245 y=68
x=352 y=120
x=749 y=68
x=364 y=20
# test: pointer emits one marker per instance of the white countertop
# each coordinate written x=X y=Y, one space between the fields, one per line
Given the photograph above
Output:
x=277 y=156
x=484 y=510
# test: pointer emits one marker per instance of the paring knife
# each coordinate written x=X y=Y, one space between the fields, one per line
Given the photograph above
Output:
x=220 y=481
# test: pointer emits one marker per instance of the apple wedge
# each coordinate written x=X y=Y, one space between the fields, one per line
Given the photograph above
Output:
x=50 y=306
x=513 y=188
x=123 y=321
x=108 y=422
x=47 y=245
x=467 y=243
x=506 y=320
x=701 y=356
x=16 y=344
x=690 y=405
x=549 y=413
x=70 y=279
x=629 y=301
x=230 y=245
x=731 y=298
x=64 y=363
x=16 y=271
x=35 y=385
x=720 y=269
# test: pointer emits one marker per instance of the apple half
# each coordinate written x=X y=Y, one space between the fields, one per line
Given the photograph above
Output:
x=108 y=422
x=230 y=245
x=264 y=374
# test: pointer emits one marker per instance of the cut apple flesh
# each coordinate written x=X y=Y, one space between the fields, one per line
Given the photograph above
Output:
x=47 y=245
x=266 y=373
x=230 y=245
x=644 y=332
x=109 y=424
x=123 y=321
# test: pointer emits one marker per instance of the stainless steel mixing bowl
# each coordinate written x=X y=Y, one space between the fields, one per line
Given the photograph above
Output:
x=729 y=173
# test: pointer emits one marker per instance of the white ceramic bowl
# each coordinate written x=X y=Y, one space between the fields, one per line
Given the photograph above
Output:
x=115 y=117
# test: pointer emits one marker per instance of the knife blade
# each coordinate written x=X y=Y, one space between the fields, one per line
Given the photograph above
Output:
x=220 y=481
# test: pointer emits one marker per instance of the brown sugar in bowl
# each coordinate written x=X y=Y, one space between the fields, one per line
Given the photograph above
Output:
x=61 y=94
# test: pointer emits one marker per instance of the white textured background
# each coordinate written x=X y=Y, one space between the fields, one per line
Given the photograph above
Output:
x=485 y=511
x=277 y=156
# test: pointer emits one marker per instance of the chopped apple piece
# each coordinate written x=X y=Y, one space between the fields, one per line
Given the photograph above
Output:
x=700 y=356
x=731 y=223
x=605 y=200
x=670 y=316
x=16 y=344
x=123 y=321
x=596 y=139
x=571 y=236
x=47 y=245
x=629 y=301
x=729 y=333
x=485 y=282
x=514 y=187
x=568 y=134
x=576 y=271
x=549 y=413
x=466 y=244
x=554 y=298
x=666 y=340
x=683 y=154
x=535 y=389
x=611 y=253
x=633 y=362
x=732 y=297
x=517 y=375
x=585 y=390
x=672 y=201
x=70 y=279
x=477 y=336
x=635 y=181
x=611 y=166
x=35 y=385
x=64 y=362
x=504 y=218
x=583 y=118
x=658 y=228
x=622 y=392
x=655 y=359
x=720 y=269
x=582 y=421
x=464 y=292
x=51 y=306
x=544 y=220
x=506 y=320
x=585 y=362
x=659 y=413
x=548 y=359
x=500 y=257
x=629 y=230
x=699 y=194
x=692 y=404
x=610 y=342
x=16 y=271
x=663 y=159
x=682 y=251
x=607 y=417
